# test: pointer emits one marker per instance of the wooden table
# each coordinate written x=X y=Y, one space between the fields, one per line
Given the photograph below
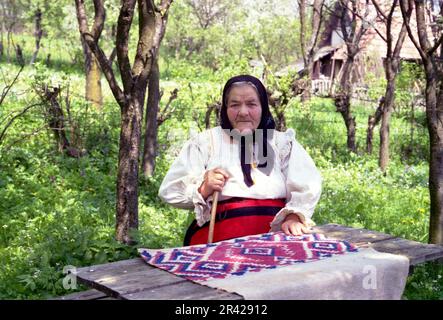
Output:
x=135 y=279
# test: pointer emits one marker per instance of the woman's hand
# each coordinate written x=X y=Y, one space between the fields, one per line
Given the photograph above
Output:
x=214 y=180
x=293 y=226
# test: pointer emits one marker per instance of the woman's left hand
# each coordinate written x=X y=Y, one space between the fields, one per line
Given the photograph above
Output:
x=293 y=226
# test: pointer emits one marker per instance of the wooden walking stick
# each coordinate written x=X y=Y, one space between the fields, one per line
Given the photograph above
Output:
x=213 y=212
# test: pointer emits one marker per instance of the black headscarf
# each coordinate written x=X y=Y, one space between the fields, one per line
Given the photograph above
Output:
x=267 y=122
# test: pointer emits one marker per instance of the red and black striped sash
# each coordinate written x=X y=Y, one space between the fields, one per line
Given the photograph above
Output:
x=236 y=217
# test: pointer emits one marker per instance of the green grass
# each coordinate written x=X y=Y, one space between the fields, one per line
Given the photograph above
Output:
x=355 y=191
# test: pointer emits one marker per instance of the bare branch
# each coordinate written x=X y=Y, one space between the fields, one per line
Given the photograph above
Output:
x=172 y=97
x=81 y=16
x=372 y=24
x=112 y=56
x=99 y=19
x=149 y=43
x=106 y=68
x=302 y=14
x=91 y=40
x=404 y=11
x=436 y=45
x=379 y=11
x=205 y=11
x=343 y=21
x=388 y=30
x=402 y=34
x=35 y=132
x=384 y=18
x=362 y=30
x=196 y=118
x=317 y=12
x=2 y=134
x=388 y=23
x=144 y=54
x=421 y=26
x=164 y=6
x=165 y=114
x=9 y=86
x=123 y=26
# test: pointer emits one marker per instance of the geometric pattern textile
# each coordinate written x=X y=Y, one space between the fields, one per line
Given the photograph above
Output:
x=236 y=257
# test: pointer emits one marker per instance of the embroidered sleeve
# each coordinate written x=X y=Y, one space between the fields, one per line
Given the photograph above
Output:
x=303 y=183
x=180 y=186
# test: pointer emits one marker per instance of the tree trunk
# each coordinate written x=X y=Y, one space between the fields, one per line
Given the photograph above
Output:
x=278 y=105
x=213 y=108
x=8 y=48
x=436 y=190
x=152 y=23
x=2 y=32
x=306 y=94
x=434 y=117
x=127 y=177
x=19 y=55
x=38 y=34
x=352 y=37
x=48 y=60
x=308 y=51
x=386 y=117
x=281 y=121
x=56 y=122
x=431 y=53
x=436 y=185
x=373 y=121
x=392 y=63
x=93 y=86
x=343 y=105
x=412 y=122
x=151 y=127
x=208 y=116
x=342 y=99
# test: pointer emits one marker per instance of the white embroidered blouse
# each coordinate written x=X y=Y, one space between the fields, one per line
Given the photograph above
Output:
x=294 y=176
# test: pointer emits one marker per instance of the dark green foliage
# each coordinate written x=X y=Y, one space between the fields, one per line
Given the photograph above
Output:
x=426 y=283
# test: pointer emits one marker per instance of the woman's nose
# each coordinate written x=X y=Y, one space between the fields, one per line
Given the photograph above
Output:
x=243 y=110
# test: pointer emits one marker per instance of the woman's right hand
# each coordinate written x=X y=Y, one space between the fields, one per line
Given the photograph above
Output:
x=214 y=180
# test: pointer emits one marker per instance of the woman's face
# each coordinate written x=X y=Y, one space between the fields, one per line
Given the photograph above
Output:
x=244 y=108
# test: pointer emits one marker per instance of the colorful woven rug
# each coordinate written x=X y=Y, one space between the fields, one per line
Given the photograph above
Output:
x=239 y=256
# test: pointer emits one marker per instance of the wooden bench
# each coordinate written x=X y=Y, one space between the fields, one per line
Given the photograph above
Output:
x=134 y=279
x=86 y=295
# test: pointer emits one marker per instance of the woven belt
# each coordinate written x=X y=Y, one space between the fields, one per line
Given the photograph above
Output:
x=244 y=203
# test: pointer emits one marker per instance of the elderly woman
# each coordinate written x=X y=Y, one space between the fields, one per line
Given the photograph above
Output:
x=265 y=179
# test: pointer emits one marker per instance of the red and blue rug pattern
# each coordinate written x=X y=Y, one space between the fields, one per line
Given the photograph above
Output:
x=238 y=256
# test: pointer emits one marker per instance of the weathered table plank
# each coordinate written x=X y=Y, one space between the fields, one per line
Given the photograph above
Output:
x=353 y=235
x=84 y=295
x=416 y=252
x=134 y=279
x=185 y=290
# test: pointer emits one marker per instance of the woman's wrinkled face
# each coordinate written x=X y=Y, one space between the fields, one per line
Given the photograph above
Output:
x=244 y=108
